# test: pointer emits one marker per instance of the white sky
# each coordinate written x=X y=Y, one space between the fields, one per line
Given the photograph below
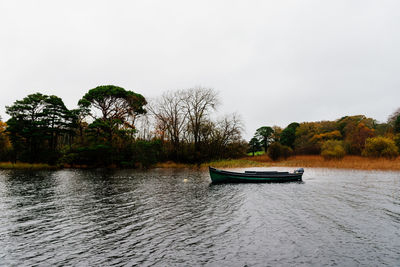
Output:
x=273 y=62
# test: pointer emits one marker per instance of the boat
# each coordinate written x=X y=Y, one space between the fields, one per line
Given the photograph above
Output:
x=221 y=176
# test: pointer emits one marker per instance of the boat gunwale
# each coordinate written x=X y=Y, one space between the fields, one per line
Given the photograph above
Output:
x=244 y=175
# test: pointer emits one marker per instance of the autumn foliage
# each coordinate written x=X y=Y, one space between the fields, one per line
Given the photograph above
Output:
x=380 y=147
x=333 y=149
x=349 y=135
x=5 y=145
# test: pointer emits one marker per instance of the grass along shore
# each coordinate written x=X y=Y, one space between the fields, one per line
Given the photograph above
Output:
x=305 y=161
x=26 y=166
x=348 y=162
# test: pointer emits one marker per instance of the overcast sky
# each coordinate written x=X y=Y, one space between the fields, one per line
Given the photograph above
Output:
x=273 y=62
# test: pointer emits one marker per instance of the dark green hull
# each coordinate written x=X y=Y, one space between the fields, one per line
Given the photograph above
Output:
x=220 y=176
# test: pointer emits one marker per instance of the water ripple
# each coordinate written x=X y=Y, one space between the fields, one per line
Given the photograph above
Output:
x=176 y=218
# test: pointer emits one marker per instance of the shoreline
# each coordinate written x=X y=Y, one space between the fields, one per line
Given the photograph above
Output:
x=305 y=161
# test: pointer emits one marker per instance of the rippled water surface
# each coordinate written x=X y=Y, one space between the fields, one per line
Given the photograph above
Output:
x=176 y=218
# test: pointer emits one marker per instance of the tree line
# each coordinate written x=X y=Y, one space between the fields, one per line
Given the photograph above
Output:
x=349 y=135
x=114 y=126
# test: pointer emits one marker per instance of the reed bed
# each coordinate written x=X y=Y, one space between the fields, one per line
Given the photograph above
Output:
x=171 y=164
x=26 y=166
x=310 y=161
x=348 y=162
x=233 y=163
x=228 y=163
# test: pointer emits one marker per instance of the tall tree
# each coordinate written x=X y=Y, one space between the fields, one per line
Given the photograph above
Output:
x=118 y=108
x=169 y=111
x=198 y=102
x=288 y=135
x=264 y=136
x=254 y=145
x=35 y=124
x=58 y=119
x=224 y=132
x=229 y=129
x=26 y=126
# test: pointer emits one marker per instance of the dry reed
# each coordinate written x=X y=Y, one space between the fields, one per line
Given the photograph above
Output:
x=348 y=162
x=171 y=164
x=233 y=163
x=26 y=166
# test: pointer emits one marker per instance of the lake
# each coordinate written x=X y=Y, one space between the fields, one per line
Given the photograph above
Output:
x=175 y=217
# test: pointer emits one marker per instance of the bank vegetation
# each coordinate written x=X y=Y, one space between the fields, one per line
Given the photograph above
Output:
x=115 y=127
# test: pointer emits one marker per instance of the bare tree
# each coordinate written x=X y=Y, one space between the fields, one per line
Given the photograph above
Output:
x=216 y=137
x=198 y=102
x=183 y=118
x=229 y=129
x=144 y=127
x=207 y=131
x=170 y=116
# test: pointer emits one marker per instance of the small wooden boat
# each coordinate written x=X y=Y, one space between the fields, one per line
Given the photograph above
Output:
x=220 y=176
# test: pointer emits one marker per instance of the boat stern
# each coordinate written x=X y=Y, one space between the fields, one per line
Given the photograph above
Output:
x=300 y=170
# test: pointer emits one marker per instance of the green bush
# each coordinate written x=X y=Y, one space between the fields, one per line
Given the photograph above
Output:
x=144 y=153
x=93 y=155
x=380 y=147
x=277 y=151
x=333 y=149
